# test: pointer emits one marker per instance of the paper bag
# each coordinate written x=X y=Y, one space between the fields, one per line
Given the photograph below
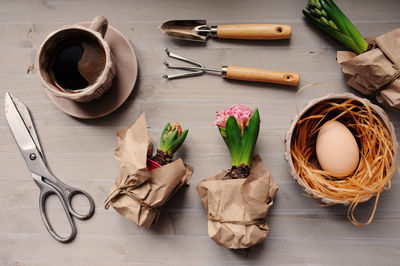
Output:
x=377 y=71
x=138 y=194
x=237 y=208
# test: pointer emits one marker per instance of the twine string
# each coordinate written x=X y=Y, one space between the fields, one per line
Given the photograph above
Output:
x=352 y=208
x=246 y=223
x=125 y=190
x=395 y=76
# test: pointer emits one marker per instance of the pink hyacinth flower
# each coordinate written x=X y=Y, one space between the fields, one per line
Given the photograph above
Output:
x=240 y=112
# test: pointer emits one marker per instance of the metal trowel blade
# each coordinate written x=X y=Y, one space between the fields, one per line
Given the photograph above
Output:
x=184 y=29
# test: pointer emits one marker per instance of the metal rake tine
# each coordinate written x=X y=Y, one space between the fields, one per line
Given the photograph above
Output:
x=194 y=71
x=183 y=67
x=184 y=75
x=187 y=60
x=191 y=68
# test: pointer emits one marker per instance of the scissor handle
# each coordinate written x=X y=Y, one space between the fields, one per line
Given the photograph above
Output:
x=68 y=193
x=45 y=191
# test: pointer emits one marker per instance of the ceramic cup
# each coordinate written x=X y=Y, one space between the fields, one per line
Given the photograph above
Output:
x=47 y=51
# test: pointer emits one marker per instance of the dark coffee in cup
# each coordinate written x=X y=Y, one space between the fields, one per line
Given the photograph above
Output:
x=77 y=63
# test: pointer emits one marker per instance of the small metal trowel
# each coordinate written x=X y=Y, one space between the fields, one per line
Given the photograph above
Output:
x=197 y=30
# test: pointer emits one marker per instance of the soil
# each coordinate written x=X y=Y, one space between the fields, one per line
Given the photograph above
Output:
x=162 y=157
x=236 y=172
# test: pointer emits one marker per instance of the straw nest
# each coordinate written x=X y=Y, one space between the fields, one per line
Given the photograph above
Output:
x=377 y=144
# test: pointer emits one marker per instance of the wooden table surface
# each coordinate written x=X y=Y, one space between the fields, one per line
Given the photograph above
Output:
x=81 y=152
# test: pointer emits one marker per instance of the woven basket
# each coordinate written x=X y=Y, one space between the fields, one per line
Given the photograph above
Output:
x=310 y=191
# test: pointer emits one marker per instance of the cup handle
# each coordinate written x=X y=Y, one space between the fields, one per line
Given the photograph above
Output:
x=99 y=24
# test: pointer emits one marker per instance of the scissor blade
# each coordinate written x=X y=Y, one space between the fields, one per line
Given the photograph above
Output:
x=26 y=117
x=19 y=128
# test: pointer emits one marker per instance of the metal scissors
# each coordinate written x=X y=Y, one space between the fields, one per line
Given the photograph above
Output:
x=22 y=128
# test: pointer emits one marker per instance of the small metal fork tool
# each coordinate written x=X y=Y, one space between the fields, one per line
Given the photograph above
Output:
x=199 y=68
x=232 y=72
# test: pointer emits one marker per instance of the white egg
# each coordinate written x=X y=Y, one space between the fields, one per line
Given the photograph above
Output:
x=337 y=149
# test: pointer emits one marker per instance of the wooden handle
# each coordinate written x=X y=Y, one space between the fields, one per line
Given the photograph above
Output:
x=260 y=75
x=254 y=31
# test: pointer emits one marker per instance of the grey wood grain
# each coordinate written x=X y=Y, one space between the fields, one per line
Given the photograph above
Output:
x=80 y=152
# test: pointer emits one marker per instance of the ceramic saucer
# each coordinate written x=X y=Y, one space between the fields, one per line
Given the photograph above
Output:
x=123 y=83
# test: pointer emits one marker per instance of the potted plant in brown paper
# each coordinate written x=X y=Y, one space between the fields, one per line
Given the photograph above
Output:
x=237 y=201
x=373 y=65
x=145 y=182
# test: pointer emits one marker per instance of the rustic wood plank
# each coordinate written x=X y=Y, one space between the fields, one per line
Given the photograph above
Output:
x=81 y=152
x=199 y=251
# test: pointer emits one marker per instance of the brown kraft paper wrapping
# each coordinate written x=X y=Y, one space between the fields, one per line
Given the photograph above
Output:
x=237 y=208
x=377 y=71
x=138 y=194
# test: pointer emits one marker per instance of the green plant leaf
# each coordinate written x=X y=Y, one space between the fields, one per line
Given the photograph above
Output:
x=250 y=138
x=222 y=131
x=345 y=25
x=346 y=40
x=165 y=146
x=336 y=16
x=351 y=29
x=233 y=140
x=177 y=143
x=163 y=132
